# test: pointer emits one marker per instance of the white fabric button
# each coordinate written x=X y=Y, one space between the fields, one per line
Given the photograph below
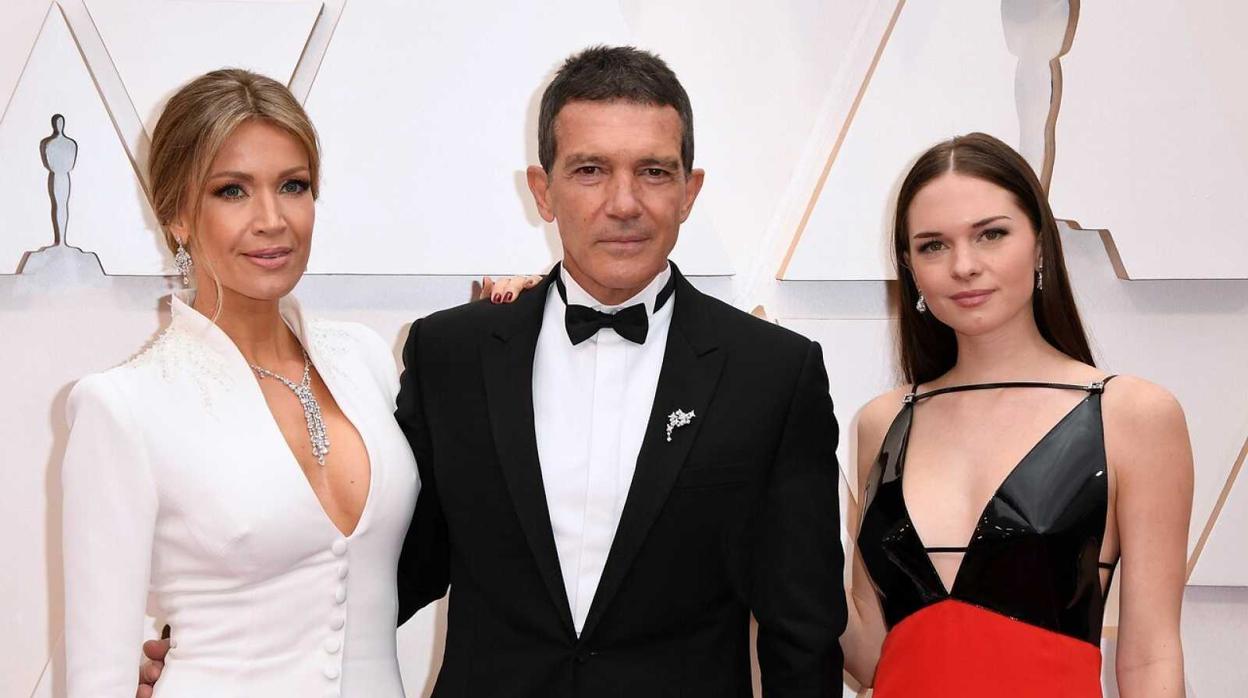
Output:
x=339 y=547
x=342 y=571
x=332 y=645
x=331 y=671
x=337 y=621
x=340 y=594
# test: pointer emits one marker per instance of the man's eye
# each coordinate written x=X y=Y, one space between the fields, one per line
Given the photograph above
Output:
x=655 y=172
x=588 y=169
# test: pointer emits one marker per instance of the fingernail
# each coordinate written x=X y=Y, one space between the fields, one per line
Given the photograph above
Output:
x=496 y=298
x=508 y=296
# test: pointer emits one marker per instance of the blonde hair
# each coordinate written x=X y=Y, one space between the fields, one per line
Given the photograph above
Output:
x=196 y=122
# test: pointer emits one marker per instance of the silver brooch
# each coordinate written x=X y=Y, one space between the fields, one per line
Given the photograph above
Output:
x=678 y=419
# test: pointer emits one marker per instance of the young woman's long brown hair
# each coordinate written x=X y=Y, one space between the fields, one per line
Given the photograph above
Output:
x=927 y=348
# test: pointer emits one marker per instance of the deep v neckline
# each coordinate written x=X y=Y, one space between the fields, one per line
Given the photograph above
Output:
x=283 y=445
x=353 y=421
x=951 y=591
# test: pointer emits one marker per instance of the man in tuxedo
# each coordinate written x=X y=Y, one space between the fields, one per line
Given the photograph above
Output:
x=617 y=469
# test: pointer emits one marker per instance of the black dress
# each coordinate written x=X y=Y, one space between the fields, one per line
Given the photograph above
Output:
x=1023 y=617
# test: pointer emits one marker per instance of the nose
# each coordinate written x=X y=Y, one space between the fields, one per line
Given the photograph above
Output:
x=268 y=214
x=966 y=262
x=622 y=200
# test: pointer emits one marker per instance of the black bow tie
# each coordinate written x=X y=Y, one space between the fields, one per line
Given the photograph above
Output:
x=583 y=322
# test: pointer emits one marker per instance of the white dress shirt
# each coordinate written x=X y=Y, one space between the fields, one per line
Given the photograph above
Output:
x=591 y=404
x=182 y=495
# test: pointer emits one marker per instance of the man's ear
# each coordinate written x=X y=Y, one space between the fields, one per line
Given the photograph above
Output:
x=539 y=185
x=693 y=185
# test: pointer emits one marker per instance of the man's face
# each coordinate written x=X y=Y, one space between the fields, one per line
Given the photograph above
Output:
x=618 y=192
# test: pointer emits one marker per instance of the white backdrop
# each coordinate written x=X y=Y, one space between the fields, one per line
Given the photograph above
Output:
x=807 y=113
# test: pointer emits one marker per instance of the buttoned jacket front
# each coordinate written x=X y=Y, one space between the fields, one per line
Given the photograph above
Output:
x=182 y=497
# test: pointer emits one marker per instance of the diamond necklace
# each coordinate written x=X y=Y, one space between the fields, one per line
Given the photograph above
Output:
x=311 y=408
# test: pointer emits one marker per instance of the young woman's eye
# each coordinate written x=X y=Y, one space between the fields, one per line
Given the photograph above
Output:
x=994 y=234
x=931 y=246
x=295 y=186
x=230 y=191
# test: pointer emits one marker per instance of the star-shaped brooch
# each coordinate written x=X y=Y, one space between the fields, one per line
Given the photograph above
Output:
x=678 y=419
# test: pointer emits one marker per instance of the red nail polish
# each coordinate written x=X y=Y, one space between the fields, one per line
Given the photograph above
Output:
x=495 y=298
x=508 y=296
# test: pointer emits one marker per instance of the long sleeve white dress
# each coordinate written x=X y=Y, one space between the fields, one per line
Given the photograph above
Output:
x=181 y=496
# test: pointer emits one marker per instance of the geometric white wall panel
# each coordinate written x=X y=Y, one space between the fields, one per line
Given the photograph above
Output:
x=158 y=45
x=945 y=70
x=1222 y=561
x=755 y=107
x=108 y=211
x=1152 y=140
x=1177 y=336
x=428 y=116
x=20 y=26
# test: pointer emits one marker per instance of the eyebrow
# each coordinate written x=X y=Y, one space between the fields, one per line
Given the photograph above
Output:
x=990 y=219
x=583 y=159
x=667 y=163
x=234 y=174
x=976 y=224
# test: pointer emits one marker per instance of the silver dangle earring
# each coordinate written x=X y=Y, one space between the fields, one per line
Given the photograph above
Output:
x=1040 y=276
x=921 y=306
x=183 y=263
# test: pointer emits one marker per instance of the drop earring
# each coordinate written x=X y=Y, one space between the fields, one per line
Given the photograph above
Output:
x=921 y=306
x=1040 y=276
x=183 y=263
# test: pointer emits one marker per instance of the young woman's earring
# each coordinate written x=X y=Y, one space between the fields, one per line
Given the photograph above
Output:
x=183 y=263
x=921 y=306
x=1040 y=276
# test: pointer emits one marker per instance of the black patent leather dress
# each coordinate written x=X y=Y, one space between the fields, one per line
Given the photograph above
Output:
x=1023 y=617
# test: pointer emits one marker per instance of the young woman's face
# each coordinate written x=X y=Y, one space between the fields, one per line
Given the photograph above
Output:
x=254 y=229
x=973 y=252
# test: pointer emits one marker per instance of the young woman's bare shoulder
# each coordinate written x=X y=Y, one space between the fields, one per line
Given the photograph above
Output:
x=876 y=416
x=1132 y=402
x=882 y=408
x=1145 y=429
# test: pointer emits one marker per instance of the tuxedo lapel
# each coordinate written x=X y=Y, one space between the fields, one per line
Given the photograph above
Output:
x=507 y=361
x=691 y=368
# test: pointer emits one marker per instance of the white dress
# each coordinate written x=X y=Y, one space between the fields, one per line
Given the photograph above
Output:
x=181 y=497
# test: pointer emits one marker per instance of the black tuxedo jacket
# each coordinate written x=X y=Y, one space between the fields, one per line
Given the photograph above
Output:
x=736 y=514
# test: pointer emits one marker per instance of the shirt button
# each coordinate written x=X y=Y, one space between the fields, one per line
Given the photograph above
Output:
x=340 y=594
x=331 y=671
x=337 y=621
x=339 y=547
x=342 y=571
x=332 y=645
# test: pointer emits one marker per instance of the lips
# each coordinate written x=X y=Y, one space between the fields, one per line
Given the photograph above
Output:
x=971 y=299
x=269 y=257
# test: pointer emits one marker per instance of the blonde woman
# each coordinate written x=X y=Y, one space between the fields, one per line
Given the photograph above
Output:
x=243 y=475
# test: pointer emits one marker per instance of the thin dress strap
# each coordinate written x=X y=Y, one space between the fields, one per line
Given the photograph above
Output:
x=1093 y=387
